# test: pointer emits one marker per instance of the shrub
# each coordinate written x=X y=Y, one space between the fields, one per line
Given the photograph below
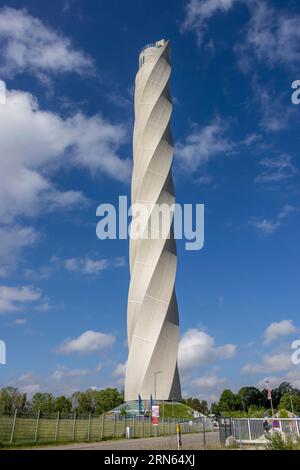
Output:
x=277 y=442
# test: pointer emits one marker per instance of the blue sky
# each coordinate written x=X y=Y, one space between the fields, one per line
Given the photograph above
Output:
x=65 y=147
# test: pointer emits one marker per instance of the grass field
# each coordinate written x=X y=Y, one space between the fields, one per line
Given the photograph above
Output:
x=177 y=410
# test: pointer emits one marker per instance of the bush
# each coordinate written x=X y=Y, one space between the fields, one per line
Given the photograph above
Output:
x=277 y=442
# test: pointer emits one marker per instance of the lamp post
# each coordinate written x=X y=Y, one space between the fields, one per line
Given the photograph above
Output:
x=155 y=374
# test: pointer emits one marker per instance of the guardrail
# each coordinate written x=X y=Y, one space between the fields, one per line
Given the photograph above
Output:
x=258 y=430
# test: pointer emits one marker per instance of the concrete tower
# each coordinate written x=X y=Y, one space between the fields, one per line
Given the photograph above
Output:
x=152 y=315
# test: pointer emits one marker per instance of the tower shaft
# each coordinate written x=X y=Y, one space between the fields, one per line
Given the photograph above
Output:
x=152 y=314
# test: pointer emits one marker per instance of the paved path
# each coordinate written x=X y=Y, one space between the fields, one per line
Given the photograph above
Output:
x=189 y=441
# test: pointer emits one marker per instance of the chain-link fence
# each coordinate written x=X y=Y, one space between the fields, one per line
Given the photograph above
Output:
x=22 y=428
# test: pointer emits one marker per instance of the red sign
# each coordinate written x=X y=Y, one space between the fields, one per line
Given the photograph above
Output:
x=155 y=415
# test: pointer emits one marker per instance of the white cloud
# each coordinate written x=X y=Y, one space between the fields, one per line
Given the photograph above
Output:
x=14 y=299
x=199 y=12
x=61 y=372
x=86 y=265
x=270 y=363
x=273 y=36
x=196 y=348
x=18 y=322
x=14 y=238
x=209 y=382
x=275 y=115
x=268 y=226
x=278 y=329
x=277 y=362
x=39 y=143
x=202 y=144
x=120 y=370
x=87 y=342
x=251 y=368
x=29 y=45
x=277 y=169
x=30 y=389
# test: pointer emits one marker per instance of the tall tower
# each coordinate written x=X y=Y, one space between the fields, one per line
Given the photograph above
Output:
x=152 y=315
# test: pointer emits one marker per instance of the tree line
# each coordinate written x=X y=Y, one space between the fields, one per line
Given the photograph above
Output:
x=89 y=401
x=252 y=402
x=248 y=401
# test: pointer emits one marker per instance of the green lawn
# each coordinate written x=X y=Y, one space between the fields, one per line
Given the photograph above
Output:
x=177 y=410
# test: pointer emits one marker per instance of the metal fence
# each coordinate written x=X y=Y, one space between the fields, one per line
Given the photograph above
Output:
x=259 y=430
x=22 y=428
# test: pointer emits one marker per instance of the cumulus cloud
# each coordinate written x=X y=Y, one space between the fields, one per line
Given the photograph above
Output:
x=29 y=45
x=87 y=342
x=279 y=329
x=14 y=239
x=14 y=299
x=202 y=144
x=270 y=363
x=36 y=144
x=39 y=143
x=196 y=348
x=208 y=382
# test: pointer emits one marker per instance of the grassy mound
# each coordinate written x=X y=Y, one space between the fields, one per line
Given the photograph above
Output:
x=177 y=410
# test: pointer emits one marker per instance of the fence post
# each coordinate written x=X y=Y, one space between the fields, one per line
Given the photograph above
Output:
x=133 y=427
x=37 y=426
x=143 y=428
x=89 y=428
x=249 y=429
x=74 y=426
x=13 y=427
x=204 y=435
x=56 y=427
x=102 y=429
x=114 y=425
x=124 y=425
x=297 y=427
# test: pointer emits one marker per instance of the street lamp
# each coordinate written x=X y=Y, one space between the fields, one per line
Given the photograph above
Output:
x=155 y=374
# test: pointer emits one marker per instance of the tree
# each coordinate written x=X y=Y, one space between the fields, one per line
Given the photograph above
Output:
x=62 y=404
x=290 y=402
x=108 y=399
x=229 y=401
x=86 y=401
x=197 y=405
x=11 y=399
x=215 y=409
x=43 y=402
x=250 y=396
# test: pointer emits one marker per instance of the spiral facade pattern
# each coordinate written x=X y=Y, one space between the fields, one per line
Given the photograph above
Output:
x=152 y=314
